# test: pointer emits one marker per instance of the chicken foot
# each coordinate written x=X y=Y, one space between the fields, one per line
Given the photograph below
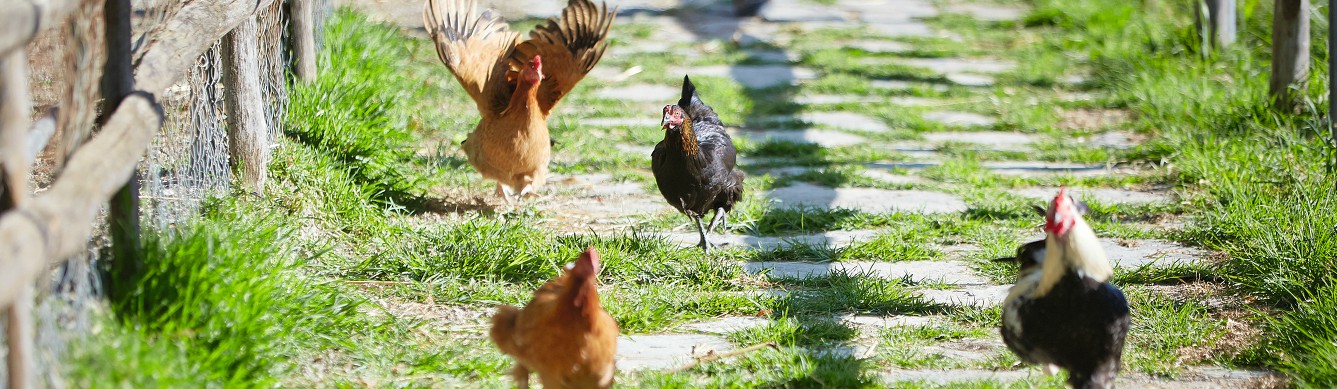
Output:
x=705 y=241
x=721 y=217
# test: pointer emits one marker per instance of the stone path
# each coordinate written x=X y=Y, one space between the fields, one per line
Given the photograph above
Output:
x=600 y=202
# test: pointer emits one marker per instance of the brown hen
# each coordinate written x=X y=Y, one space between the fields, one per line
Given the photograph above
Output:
x=564 y=334
x=515 y=82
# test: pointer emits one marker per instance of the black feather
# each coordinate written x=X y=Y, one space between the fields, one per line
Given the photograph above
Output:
x=688 y=92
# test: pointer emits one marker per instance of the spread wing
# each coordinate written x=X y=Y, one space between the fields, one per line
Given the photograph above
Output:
x=570 y=46
x=476 y=47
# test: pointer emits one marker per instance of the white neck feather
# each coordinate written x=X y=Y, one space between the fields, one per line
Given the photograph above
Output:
x=1079 y=251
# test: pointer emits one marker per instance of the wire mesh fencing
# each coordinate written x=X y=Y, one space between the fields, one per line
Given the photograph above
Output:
x=186 y=164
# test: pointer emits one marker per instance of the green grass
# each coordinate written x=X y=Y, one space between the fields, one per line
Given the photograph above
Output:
x=369 y=263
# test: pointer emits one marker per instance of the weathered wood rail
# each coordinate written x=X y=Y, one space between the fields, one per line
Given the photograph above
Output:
x=37 y=232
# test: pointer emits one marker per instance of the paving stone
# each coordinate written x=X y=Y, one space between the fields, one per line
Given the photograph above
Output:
x=1100 y=195
x=865 y=199
x=824 y=138
x=881 y=47
x=964 y=119
x=641 y=92
x=991 y=140
x=870 y=322
x=951 y=272
x=845 y=120
x=751 y=76
x=902 y=85
x=960 y=65
x=773 y=56
x=647 y=121
x=1191 y=378
x=978 y=296
x=786 y=11
x=640 y=352
x=786 y=171
x=1034 y=168
x=835 y=99
x=891 y=178
x=727 y=325
x=1112 y=140
x=857 y=351
x=968 y=349
x=911 y=101
x=1133 y=254
x=837 y=238
x=910 y=165
x=984 y=12
x=904 y=29
x=636 y=149
x=1130 y=254
x=968 y=79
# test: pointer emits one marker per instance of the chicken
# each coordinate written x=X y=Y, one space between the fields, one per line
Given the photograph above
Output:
x=563 y=334
x=694 y=164
x=515 y=83
x=1066 y=314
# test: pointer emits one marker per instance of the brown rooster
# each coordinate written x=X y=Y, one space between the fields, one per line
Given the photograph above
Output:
x=564 y=334
x=515 y=82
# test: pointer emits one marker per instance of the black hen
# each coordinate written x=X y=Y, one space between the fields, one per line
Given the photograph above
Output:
x=694 y=164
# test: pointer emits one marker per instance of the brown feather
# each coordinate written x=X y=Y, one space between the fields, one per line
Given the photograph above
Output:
x=570 y=46
x=475 y=47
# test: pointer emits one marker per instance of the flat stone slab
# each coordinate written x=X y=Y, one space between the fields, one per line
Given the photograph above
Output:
x=960 y=65
x=845 y=121
x=962 y=119
x=991 y=140
x=893 y=28
x=1100 y=195
x=1033 y=168
x=636 y=149
x=870 y=322
x=979 y=296
x=788 y=11
x=871 y=200
x=751 y=76
x=968 y=79
x=991 y=13
x=837 y=238
x=906 y=8
x=726 y=325
x=1133 y=254
x=903 y=85
x=891 y=178
x=1129 y=254
x=648 y=121
x=951 y=272
x=824 y=138
x=774 y=56
x=1191 y=378
x=911 y=101
x=1111 y=140
x=881 y=46
x=640 y=352
x=835 y=99
x=641 y=93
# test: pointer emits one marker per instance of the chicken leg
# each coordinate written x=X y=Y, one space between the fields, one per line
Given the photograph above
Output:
x=705 y=242
x=720 y=216
x=521 y=375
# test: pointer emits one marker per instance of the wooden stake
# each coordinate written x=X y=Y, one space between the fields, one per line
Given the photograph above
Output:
x=1290 y=49
x=14 y=108
x=117 y=83
x=303 y=39
x=247 y=131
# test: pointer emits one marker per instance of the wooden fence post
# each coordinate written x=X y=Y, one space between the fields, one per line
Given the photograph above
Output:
x=1219 y=23
x=14 y=110
x=247 y=131
x=303 y=39
x=118 y=82
x=1290 y=49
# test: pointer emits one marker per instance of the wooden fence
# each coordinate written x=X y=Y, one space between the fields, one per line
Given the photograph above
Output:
x=38 y=231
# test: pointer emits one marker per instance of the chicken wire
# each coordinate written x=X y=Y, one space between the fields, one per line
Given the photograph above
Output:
x=186 y=163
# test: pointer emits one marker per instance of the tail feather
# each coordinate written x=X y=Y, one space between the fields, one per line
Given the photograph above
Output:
x=688 y=91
